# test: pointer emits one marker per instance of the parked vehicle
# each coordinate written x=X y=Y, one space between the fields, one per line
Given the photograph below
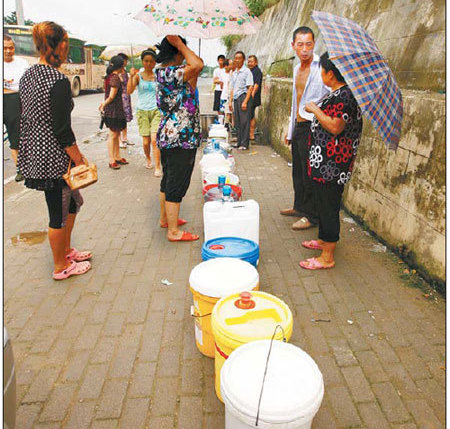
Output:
x=84 y=68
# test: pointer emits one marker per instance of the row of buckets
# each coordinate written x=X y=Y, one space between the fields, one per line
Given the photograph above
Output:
x=264 y=381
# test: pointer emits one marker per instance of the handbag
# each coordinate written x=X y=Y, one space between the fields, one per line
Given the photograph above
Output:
x=80 y=176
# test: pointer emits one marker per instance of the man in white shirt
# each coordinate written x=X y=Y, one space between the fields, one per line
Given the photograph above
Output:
x=307 y=86
x=13 y=70
x=241 y=90
x=218 y=80
x=224 y=97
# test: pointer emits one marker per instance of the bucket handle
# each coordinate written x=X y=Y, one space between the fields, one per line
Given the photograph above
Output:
x=195 y=314
x=265 y=369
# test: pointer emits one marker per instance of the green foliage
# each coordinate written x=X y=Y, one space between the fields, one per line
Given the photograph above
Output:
x=257 y=7
x=281 y=68
x=11 y=19
x=230 y=40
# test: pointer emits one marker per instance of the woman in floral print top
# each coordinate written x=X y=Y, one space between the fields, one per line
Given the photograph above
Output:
x=180 y=122
x=178 y=135
x=335 y=135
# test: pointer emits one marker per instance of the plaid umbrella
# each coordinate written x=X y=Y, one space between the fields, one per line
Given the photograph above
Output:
x=366 y=72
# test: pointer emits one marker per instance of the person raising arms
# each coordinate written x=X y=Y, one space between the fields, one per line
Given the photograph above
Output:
x=178 y=134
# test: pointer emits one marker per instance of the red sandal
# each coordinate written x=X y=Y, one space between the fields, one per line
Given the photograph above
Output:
x=114 y=165
x=186 y=236
x=180 y=222
x=122 y=161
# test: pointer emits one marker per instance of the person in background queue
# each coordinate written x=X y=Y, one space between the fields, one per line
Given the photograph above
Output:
x=179 y=134
x=224 y=96
x=126 y=102
x=112 y=109
x=252 y=63
x=217 y=81
x=47 y=145
x=335 y=135
x=148 y=116
x=241 y=91
x=307 y=86
x=13 y=69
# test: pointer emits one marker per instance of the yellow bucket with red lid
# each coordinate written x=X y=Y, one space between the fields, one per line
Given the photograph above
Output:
x=241 y=318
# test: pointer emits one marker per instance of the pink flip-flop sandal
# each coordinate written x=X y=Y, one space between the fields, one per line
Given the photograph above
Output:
x=74 y=269
x=314 y=264
x=312 y=244
x=77 y=256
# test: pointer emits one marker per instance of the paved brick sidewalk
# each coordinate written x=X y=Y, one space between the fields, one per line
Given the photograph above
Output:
x=115 y=347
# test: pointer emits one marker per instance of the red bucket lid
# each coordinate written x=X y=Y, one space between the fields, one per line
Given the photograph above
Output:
x=236 y=188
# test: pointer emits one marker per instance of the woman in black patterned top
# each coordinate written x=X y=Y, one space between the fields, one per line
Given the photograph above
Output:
x=334 y=139
x=47 y=144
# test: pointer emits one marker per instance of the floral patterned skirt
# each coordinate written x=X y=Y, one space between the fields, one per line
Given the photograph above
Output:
x=126 y=101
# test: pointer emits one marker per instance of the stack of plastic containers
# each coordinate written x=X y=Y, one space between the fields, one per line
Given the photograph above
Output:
x=234 y=320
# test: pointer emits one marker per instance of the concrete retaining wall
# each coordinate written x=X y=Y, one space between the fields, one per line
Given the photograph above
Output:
x=399 y=195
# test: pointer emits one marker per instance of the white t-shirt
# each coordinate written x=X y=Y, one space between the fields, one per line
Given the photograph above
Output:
x=13 y=71
x=218 y=72
x=226 y=86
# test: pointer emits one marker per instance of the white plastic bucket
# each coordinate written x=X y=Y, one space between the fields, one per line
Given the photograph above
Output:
x=219 y=133
x=220 y=170
x=239 y=219
x=293 y=387
x=213 y=178
x=212 y=159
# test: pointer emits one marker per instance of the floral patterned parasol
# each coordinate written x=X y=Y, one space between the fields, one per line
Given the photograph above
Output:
x=198 y=18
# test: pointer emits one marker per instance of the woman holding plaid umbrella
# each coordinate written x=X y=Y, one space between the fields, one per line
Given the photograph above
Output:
x=335 y=135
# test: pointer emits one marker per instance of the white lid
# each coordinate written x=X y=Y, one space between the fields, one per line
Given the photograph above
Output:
x=211 y=159
x=293 y=389
x=216 y=134
x=221 y=277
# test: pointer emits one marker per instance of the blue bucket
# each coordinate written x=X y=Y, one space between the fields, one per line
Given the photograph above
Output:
x=231 y=247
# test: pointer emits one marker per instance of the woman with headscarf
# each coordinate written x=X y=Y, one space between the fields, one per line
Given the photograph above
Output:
x=178 y=135
x=47 y=145
x=112 y=110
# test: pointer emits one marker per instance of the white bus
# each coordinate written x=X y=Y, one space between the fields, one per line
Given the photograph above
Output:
x=84 y=68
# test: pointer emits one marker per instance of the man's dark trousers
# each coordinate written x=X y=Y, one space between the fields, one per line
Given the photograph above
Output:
x=242 y=120
x=304 y=201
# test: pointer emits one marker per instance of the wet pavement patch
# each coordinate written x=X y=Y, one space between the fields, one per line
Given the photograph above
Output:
x=29 y=238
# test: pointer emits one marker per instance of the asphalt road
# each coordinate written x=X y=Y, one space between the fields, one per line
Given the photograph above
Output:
x=86 y=118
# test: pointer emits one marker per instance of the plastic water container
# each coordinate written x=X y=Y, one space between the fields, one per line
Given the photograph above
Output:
x=211 y=149
x=230 y=179
x=215 y=193
x=231 y=247
x=293 y=387
x=214 y=162
x=241 y=318
x=218 y=132
x=212 y=159
x=240 y=219
x=218 y=170
x=211 y=280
